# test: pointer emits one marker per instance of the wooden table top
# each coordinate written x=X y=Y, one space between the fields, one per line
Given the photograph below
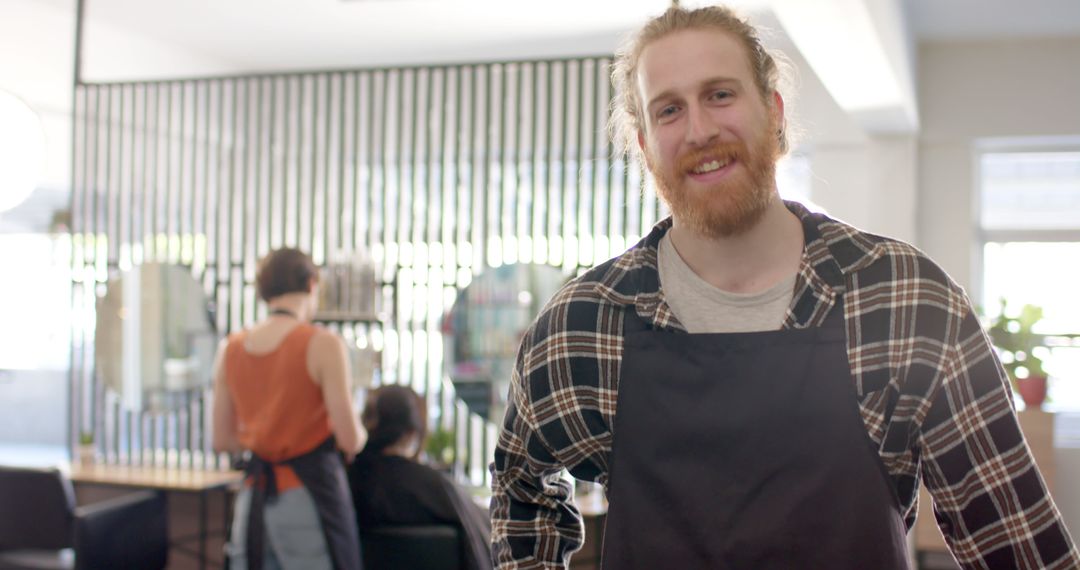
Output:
x=164 y=478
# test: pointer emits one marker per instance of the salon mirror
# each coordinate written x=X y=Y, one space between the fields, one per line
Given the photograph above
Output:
x=484 y=328
x=155 y=337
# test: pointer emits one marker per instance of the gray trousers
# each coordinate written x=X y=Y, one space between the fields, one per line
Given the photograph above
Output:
x=294 y=535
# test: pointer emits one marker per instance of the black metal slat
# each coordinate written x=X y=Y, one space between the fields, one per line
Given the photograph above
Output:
x=324 y=189
x=506 y=158
x=94 y=220
x=522 y=133
x=108 y=227
x=383 y=192
x=89 y=171
x=433 y=161
x=607 y=156
x=204 y=184
x=438 y=191
x=275 y=199
x=171 y=221
x=353 y=157
x=137 y=181
x=182 y=198
x=234 y=194
x=297 y=208
x=454 y=194
x=551 y=207
x=342 y=210
x=416 y=226
x=415 y=207
x=127 y=113
x=156 y=189
x=539 y=196
x=221 y=208
x=249 y=255
x=287 y=160
x=565 y=214
x=304 y=138
x=399 y=197
x=487 y=208
x=401 y=220
x=580 y=209
x=370 y=160
x=251 y=191
x=469 y=235
x=260 y=192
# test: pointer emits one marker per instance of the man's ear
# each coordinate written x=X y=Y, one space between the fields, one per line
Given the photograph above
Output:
x=777 y=109
x=641 y=146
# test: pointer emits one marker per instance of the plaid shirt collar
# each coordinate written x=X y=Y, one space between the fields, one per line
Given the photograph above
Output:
x=831 y=253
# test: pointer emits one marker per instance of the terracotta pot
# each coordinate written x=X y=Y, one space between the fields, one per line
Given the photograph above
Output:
x=1032 y=390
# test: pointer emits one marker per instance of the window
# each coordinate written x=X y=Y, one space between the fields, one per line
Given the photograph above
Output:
x=1029 y=221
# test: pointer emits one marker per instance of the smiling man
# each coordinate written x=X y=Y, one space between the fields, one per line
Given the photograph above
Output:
x=756 y=386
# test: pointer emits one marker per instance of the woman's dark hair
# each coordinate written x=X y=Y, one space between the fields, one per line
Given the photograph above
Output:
x=392 y=412
x=285 y=270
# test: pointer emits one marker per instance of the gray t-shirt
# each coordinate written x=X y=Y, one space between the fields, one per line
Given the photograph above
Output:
x=704 y=308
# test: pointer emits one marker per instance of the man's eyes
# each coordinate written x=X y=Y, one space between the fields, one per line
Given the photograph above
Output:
x=667 y=111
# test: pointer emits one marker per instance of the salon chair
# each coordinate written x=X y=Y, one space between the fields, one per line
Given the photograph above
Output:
x=41 y=528
x=435 y=547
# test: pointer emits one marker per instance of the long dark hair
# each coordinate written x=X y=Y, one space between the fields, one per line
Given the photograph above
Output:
x=390 y=413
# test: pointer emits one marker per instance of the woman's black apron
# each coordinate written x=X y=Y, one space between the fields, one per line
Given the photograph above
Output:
x=323 y=474
x=746 y=451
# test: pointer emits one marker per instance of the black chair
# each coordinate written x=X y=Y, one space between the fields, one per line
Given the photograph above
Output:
x=436 y=547
x=40 y=526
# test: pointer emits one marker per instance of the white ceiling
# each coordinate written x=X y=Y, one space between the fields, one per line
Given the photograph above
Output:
x=240 y=36
x=292 y=34
x=303 y=34
x=962 y=20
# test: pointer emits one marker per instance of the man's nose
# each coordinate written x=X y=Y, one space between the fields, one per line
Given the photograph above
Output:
x=701 y=128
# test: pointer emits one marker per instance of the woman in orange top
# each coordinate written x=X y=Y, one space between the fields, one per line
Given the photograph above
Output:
x=281 y=392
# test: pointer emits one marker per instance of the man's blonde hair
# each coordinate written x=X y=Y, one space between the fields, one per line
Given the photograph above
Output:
x=627 y=118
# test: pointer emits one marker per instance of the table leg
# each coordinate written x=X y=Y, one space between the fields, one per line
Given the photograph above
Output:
x=227 y=524
x=202 y=530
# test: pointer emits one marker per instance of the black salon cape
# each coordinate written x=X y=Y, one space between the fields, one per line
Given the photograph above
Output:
x=391 y=490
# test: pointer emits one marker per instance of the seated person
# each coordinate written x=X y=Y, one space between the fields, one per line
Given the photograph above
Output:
x=389 y=486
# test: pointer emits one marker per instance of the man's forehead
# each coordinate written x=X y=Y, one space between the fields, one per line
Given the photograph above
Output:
x=690 y=57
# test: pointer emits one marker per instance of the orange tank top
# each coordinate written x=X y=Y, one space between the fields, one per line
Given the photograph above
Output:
x=279 y=408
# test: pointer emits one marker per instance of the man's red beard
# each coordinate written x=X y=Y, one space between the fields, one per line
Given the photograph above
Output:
x=732 y=205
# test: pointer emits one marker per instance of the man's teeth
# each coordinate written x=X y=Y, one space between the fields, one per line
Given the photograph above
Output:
x=709 y=167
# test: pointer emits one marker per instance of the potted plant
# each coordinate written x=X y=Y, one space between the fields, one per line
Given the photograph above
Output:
x=439 y=448
x=86 y=450
x=1019 y=347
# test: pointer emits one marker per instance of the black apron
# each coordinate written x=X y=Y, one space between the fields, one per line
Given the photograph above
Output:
x=322 y=472
x=746 y=451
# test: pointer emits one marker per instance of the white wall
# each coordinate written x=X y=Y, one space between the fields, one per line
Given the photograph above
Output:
x=871 y=185
x=974 y=91
x=37 y=40
x=36 y=65
x=979 y=90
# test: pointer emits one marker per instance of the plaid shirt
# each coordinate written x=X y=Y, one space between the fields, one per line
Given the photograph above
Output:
x=932 y=396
